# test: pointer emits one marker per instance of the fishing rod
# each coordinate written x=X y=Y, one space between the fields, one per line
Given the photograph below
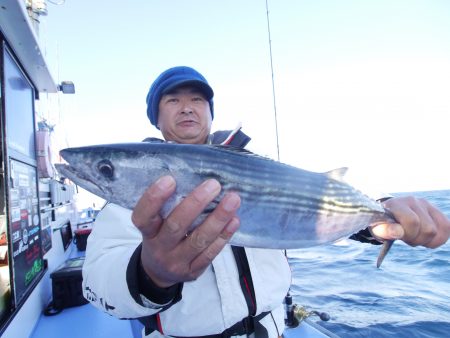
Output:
x=273 y=81
x=294 y=314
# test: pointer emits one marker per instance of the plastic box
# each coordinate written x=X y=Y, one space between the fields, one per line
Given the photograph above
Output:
x=66 y=284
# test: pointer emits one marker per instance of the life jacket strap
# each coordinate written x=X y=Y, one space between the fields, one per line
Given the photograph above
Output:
x=246 y=326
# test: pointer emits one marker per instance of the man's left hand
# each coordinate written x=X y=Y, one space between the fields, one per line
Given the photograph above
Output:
x=419 y=223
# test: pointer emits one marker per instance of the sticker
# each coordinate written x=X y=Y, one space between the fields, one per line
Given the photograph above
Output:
x=25 y=236
x=15 y=214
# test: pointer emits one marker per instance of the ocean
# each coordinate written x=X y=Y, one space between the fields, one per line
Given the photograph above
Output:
x=409 y=296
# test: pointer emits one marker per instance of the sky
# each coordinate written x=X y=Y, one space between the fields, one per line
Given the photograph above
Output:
x=358 y=84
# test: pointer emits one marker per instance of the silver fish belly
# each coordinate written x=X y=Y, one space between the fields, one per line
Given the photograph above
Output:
x=282 y=207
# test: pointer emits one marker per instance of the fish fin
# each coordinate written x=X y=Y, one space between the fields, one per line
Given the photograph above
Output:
x=238 y=150
x=337 y=174
x=231 y=148
x=384 y=251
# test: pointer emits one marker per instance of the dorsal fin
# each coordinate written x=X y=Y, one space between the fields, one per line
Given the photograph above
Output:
x=233 y=149
x=337 y=174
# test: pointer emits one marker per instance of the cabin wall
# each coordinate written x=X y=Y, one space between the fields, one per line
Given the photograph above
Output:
x=27 y=317
x=56 y=208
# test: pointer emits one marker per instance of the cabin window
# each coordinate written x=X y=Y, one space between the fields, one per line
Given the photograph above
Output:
x=21 y=258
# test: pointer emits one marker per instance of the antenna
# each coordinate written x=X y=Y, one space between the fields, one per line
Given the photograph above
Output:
x=273 y=82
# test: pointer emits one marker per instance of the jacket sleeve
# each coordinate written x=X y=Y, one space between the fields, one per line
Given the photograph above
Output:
x=145 y=291
x=365 y=235
x=110 y=270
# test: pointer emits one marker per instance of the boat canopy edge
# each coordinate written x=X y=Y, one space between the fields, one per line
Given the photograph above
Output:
x=18 y=31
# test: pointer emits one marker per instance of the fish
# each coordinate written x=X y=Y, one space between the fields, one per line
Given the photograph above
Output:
x=282 y=206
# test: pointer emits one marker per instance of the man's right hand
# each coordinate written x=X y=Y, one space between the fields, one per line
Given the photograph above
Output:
x=168 y=255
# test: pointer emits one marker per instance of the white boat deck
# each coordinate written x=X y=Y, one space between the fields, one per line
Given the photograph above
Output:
x=83 y=321
x=88 y=322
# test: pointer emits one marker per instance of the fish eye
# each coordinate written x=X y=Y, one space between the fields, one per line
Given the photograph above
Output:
x=106 y=168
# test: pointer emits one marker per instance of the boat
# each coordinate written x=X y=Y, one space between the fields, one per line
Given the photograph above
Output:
x=42 y=231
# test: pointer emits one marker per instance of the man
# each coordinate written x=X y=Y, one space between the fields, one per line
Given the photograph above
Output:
x=186 y=284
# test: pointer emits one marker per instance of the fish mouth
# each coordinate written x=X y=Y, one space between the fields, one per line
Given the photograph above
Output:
x=68 y=171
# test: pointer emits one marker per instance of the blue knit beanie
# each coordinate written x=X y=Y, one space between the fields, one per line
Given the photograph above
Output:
x=171 y=79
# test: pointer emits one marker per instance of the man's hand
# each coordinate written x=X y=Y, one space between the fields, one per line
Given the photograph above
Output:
x=420 y=223
x=169 y=255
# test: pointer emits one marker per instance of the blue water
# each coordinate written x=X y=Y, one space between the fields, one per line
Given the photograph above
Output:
x=409 y=296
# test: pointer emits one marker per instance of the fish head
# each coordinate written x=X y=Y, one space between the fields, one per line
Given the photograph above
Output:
x=83 y=168
x=116 y=173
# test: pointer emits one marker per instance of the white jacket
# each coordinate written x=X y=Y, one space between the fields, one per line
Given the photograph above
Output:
x=209 y=305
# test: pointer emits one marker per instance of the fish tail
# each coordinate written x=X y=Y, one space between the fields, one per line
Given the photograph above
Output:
x=384 y=251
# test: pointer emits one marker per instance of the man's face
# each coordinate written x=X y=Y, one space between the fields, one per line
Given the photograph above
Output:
x=185 y=116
